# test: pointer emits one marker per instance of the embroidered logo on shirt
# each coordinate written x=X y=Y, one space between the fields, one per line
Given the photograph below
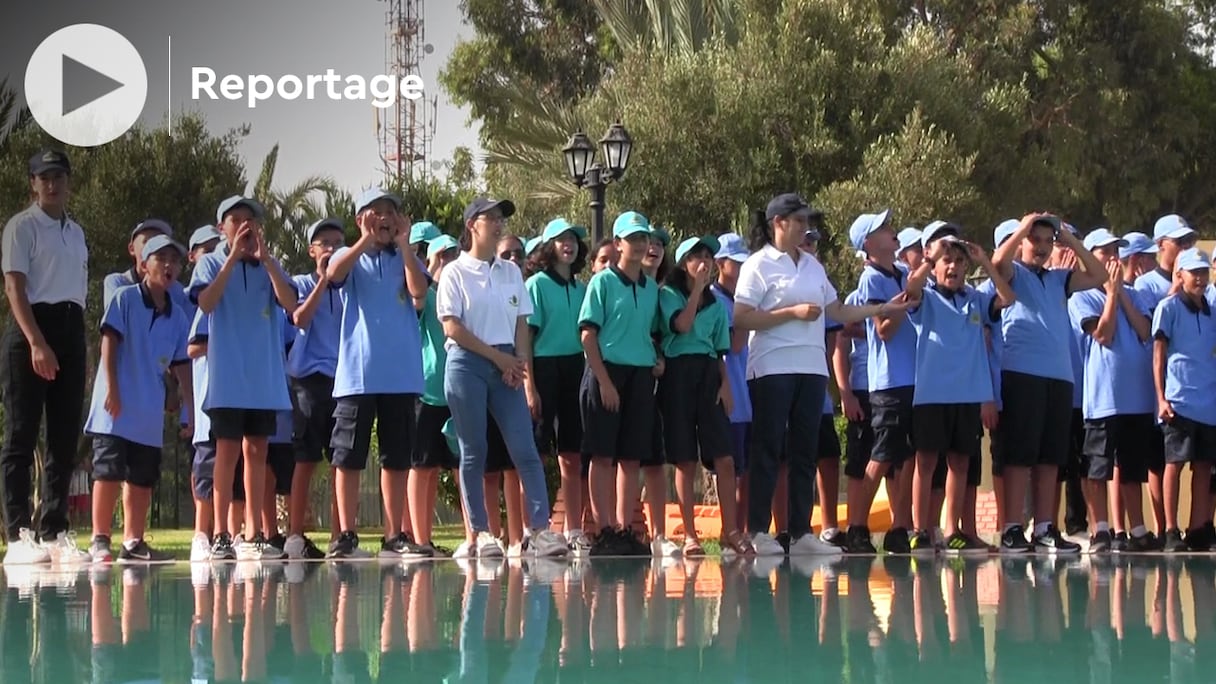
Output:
x=513 y=300
x=163 y=362
x=266 y=312
x=975 y=317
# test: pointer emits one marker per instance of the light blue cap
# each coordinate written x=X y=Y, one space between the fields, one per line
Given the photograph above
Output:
x=1193 y=259
x=630 y=223
x=1137 y=243
x=691 y=243
x=202 y=235
x=864 y=225
x=557 y=226
x=908 y=237
x=730 y=246
x=440 y=245
x=938 y=229
x=424 y=231
x=159 y=242
x=238 y=201
x=1004 y=230
x=324 y=223
x=1172 y=227
x=1101 y=237
x=370 y=195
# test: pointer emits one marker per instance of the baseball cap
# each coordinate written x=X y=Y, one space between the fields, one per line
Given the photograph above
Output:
x=481 y=205
x=865 y=224
x=730 y=246
x=691 y=243
x=1137 y=243
x=1004 y=230
x=49 y=160
x=907 y=238
x=370 y=195
x=203 y=234
x=557 y=226
x=440 y=245
x=424 y=231
x=1171 y=227
x=152 y=224
x=532 y=243
x=238 y=201
x=662 y=235
x=1101 y=237
x=630 y=223
x=159 y=242
x=938 y=229
x=324 y=223
x=784 y=205
x=1193 y=259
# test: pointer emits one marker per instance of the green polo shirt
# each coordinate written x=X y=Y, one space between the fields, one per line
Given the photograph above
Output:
x=434 y=356
x=710 y=334
x=625 y=313
x=555 y=308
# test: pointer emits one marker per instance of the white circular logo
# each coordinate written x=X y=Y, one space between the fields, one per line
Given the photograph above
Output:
x=86 y=85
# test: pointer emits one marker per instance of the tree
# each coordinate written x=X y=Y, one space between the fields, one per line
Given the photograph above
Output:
x=289 y=212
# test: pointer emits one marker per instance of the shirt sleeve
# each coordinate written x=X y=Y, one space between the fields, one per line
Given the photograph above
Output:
x=199 y=330
x=671 y=303
x=751 y=288
x=304 y=286
x=721 y=332
x=536 y=293
x=869 y=287
x=987 y=302
x=115 y=317
x=1163 y=320
x=591 y=313
x=449 y=301
x=183 y=338
x=829 y=290
x=525 y=297
x=17 y=246
x=204 y=274
x=1083 y=307
x=110 y=285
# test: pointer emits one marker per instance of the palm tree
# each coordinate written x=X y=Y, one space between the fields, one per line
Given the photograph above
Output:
x=290 y=211
x=12 y=116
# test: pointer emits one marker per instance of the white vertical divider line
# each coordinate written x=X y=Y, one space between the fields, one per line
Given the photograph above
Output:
x=170 y=79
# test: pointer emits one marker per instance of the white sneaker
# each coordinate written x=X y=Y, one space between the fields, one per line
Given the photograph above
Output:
x=26 y=550
x=465 y=550
x=765 y=545
x=547 y=544
x=515 y=550
x=100 y=551
x=578 y=543
x=489 y=546
x=298 y=547
x=200 y=548
x=810 y=545
x=64 y=550
x=662 y=547
x=258 y=549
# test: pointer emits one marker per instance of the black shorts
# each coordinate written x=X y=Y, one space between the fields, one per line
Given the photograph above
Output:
x=498 y=458
x=1187 y=441
x=237 y=423
x=313 y=415
x=557 y=381
x=625 y=434
x=829 y=441
x=393 y=416
x=1120 y=440
x=891 y=415
x=1076 y=465
x=281 y=462
x=203 y=469
x=695 y=426
x=120 y=460
x=947 y=428
x=431 y=448
x=1036 y=420
x=859 y=439
x=941 y=469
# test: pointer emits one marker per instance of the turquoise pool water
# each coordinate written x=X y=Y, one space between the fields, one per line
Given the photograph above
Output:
x=860 y=620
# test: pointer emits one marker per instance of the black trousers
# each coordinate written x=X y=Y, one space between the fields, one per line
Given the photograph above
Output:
x=26 y=397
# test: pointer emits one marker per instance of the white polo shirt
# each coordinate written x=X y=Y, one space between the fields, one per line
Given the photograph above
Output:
x=769 y=280
x=487 y=296
x=52 y=255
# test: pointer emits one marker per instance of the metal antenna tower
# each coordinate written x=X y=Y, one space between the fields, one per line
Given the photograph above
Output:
x=406 y=129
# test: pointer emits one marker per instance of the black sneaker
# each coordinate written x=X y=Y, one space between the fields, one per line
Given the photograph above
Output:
x=959 y=544
x=1173 y=541
x=1145 y=543
x=632 y=544
x=1013 y=540
x=835 y=538
x=783 y=538
x=857 y=540
x=1100 y=542
x=311 y=551
x=607 y=543
x=344 y=546
x=1052 y=541
x=1118 y=542
x=401 y=546
x=434 y=551
x=1199 y=540
x=896 y=542
x=277 y=540
x=142 y=553
x=222 y=549
x=921 y=544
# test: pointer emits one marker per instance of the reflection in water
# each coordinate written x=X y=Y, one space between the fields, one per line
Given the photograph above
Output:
x=858 y=620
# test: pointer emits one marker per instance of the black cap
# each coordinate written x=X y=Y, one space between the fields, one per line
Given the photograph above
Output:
x=784 y=205
x=481 y=205
x=49 y=160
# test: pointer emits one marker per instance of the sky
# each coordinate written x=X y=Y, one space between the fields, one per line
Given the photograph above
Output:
x=272 y=37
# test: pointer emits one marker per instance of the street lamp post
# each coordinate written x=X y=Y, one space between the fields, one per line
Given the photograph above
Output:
x=587 y=173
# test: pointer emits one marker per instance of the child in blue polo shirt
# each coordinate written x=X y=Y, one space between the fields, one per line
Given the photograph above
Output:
x=952 y=363
x=618 y=315
x=729 y=259
x=311 y=365
x=239 y=286
x=143 y=335
x=379 y=371
x=280 y=456
x=1184 y=344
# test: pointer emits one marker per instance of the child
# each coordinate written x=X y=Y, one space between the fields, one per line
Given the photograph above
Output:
x=731 y=255
x=238 y=285
x=1184 y=340
x=143 y=335
x=379 y=370
x=604 y=255
x=952 y=361
x=421 y=234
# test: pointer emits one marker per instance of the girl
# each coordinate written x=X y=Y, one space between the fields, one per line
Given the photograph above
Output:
x=695 y=390
x=605 y=255
x=557 y=363
x=484 y=307
x=656 y=265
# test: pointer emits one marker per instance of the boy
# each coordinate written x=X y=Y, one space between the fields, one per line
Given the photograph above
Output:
x=1184 y=340
x=143 y=336
x=238 y=286
x=730 y=257
x=379 y=372
x=203 y=241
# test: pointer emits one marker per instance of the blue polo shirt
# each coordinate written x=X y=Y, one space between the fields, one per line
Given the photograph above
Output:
x=379 y=344
x=859 y=352
x=198 y=335
x=951 y=356
x=1190 y=368
x=736 y=364
x=284 y=420
x=1036 y=330
x=434 y=354
x=554 y=320
x=890 y=364
x=625 y=313
x=829 y=326
x=245 y=365
x=149 y=342
x=995 y=343
x=1118 y=378
x=114 y=281
x=1154 y=286
x=315 y=349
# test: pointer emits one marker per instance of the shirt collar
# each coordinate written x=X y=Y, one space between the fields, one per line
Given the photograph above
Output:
x=47 y=219
x=222 y=249
x=557 y=278
x=641 y=282
x=725 y=292
x=1202 y=307
x=146 y=294
x=946 y=292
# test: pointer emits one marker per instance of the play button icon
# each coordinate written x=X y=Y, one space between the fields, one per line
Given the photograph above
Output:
x=86 y=85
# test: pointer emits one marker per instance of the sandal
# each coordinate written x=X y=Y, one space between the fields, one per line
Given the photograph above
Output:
x=739 y=543
x=692 y=548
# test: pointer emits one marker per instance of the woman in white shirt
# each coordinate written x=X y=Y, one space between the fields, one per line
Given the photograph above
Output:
x=782 y=296
x=484 y=308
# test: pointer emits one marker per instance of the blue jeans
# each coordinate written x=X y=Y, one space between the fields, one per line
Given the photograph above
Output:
x=473 y=385
x=784 y=404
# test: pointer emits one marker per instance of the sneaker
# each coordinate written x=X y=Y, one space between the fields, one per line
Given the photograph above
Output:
x=221 y=548
x=277 y=540
x=921 y=544
x=766 y=545
x=896 y=541
x=662 y=547
x=834 y=537
x=401 y=546
x=939 y=538
x=140 y=552
x=1013 y=540
x=515 y=550
x=64 y=551
x=857 y=540
x=26 y=550
x=1052 y=541
x=578 y=543
x=464 y=550
x=1199 y=540
x=606 y=543
x=632 y=544
x=489 y=546
x=959 y=544
x=300 y=547
x=546 y=544
x=1119 y=542
x=783 y=538
x=200 y=548
x=1173 y=541
x=258 y=549
x=1100 y=542
x=810 y=545
x=99 y=550
x=344 y=546
x=1145 y=543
